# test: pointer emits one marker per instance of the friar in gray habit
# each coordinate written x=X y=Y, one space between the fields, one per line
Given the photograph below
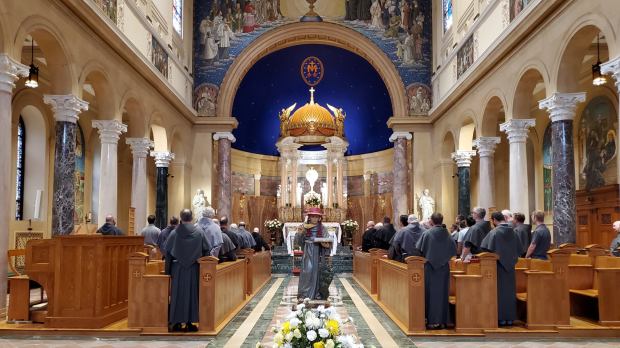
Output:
x=503 y=241
x=405 y=240
x=476 y=233
x=437 y=247
x=185 y=245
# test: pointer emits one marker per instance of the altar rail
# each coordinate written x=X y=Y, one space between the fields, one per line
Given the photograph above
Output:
x=85 y=277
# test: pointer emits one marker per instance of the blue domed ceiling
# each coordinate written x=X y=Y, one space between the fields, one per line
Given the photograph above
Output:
x=349 y=82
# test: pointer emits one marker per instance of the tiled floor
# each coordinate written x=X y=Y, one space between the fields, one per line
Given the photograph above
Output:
x=344 y=294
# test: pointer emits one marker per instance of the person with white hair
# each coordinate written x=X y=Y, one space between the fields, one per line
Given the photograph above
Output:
x=248 y=241
x=405 y=240
x=211 y=231
x=508 y=216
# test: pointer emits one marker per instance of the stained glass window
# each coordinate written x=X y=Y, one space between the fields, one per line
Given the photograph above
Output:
x=177 y=16
x=447 y=15
x=21 y=158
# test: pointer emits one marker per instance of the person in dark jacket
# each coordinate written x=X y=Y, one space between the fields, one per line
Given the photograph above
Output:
x=109 y=228
x=260 y=242
x=368 y=236
x=384 y=234
x=163 y=236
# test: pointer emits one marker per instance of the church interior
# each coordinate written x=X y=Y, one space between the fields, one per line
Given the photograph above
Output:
x=113 y=111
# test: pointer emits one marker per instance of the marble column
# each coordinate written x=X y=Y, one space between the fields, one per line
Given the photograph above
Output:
x=224 y=172
x=367 y=178
x=518 y=188
x=463 y=162
x=140 y=149
x=293 y=191
x=562 y=108
x=283 y=182
x=162 y=162
x=486 y=188
x=399 y=175
x=10 y=71
x=66 y=109
x=612 y=67
x=257 y=184
x=109 y=134
x=340 y=183
x=330 y=182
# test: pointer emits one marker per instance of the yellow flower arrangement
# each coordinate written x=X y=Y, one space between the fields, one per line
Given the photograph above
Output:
x=319 y=344
x=286 y=327
x=333 y=327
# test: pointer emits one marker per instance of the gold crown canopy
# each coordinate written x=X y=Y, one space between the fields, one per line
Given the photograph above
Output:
x=312 y=120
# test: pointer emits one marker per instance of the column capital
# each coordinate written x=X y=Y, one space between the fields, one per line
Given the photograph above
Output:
x=224 y=135
x=66 y=108
x=162 y=158
x=612 y=67
x=562 y=106
x=463 y=157
x=517 y=129
x=109 y=130
x=398 y=135
x=486 y=145
x=139 y=146
x=10 y=71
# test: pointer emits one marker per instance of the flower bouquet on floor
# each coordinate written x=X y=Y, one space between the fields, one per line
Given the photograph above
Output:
x=314 y=328
x=349 y=226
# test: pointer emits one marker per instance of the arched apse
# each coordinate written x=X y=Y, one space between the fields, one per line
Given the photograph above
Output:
x=312 y=33
x=54 y=61
x=466 y=132
x=349 y=82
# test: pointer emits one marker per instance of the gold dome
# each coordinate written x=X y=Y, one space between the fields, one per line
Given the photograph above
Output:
x=311 y=119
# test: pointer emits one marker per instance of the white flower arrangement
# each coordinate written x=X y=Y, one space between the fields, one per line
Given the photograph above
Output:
x=312 y=199
x=351 y=225
x=314 y=328
x=274 y=224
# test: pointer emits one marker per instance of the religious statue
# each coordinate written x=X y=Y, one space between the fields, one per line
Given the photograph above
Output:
x=375 y=13
x=426 y=204
x=199 y=202
x=324 y=193
x=339 y=115
x=316 y=273
x=284 y=117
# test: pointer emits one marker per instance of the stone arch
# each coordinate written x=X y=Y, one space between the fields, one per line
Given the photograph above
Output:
x=132 y=110
x=60 y=63
x=466 y=133
x=159 y=136
x=94 y=74
x=312 y=33
x=530 y=78
x=493 y=113
x=573 y=48
x=448 y=145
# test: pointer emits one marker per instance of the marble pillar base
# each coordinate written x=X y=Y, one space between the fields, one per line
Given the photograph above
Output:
x=64 y=171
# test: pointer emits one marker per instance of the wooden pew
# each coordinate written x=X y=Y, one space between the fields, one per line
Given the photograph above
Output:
x=376 y=254
x=362 y=264
x=546 y=297
x=85 y=277
x=520 y=268
x=258 y=269
x=570 y=247
x=593 y=280
x=479 y=282
x=222 y=292
x=400 y=292
x=153 y=252
x=148 y=294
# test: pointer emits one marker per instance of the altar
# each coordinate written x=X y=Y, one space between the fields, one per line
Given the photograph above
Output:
x=291 y=228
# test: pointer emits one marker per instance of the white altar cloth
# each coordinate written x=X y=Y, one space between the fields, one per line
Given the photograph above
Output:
x=290 y=229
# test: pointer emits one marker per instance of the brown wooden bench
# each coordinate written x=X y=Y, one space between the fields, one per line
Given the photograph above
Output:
x=544 y=297
x=148 y=294
x=477 y=280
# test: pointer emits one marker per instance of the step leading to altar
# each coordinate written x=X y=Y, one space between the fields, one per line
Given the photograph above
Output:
x=282 y=262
